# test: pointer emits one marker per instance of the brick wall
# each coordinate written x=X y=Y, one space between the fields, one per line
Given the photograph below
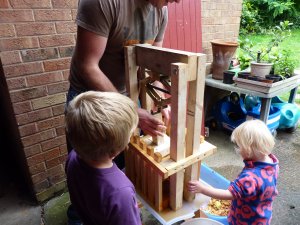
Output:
x=220 y=20
x=36 y=42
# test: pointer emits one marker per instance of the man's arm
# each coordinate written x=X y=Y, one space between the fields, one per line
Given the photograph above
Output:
x=89 y=50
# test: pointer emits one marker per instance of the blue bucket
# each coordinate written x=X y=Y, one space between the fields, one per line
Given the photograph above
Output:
x=216 y=180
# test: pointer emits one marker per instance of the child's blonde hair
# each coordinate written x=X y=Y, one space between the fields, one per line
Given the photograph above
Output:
x=100 y=123
x=253 y=139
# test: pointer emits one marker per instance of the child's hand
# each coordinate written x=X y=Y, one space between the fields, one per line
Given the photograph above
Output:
x=195 y=186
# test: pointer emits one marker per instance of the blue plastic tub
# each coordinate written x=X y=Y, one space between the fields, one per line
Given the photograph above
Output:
x=216 y=180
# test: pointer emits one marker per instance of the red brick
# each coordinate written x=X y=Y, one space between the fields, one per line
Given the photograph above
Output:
x=44 y=78
x=11 y=16
x=4 y=4
x=66 y=74
x=53 y=15
x=23 y=69
x=27 y=129
x=66 y=4
x=9 y=58
x=59 y=64
x=37 y=178
x=58 y=109
x=31 y=29
x=26 y=94
x=32 y=4
x=57 y=40
x=39 y=187
x=63 y=27
x=63 y=150
x=51 y=123
x=31 y=140
x=60 y=131
x=36 y=159
x=52 y=153
x=22 y=107
x=45 y=135
x=39 y=54
x=58 y=88
x=18 y=43
x=37 y=138
x=16 y=83
x=34 y=116
x=53 y=143
x=32 y=150
x=7 y=30
x=53 y=162
x=38 y=168
x=57 y=178
x=74 y=14
x=66 y=51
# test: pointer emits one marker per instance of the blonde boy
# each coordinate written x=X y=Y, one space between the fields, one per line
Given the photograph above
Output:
x=99 y=125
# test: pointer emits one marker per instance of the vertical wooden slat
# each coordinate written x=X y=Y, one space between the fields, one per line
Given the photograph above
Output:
x=138 y=180
x=144 y=177
x=178 y=121
x=131 y=75
x=158 y=192
x=150 y=174
x=194 y=121
x=176 y=190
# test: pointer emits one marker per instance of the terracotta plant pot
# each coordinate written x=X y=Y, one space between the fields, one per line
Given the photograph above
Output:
x=222 y=55
x=260 y=69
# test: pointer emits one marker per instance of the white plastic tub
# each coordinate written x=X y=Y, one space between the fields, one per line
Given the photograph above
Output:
x=201 y=221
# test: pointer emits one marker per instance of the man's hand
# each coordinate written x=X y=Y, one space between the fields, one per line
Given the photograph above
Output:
x=149 y=124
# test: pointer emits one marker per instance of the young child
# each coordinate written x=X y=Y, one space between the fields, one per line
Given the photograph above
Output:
x=99 y=125
x=253 y=192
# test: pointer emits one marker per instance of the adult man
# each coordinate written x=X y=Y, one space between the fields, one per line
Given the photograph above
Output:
x=104 y=28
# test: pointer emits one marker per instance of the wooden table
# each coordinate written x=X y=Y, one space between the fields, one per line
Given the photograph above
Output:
x=265 y=97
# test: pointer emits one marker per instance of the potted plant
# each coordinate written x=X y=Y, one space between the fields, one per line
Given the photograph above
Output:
x=262 y=58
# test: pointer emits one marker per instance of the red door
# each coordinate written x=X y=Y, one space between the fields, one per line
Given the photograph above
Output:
x=184 y=26
x=184 y=29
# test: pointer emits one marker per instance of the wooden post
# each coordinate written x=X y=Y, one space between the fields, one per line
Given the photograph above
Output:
x=131 y=75
x=178 y=120
x=194 y=122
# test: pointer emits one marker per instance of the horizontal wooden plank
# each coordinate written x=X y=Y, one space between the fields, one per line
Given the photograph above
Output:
x=206 y=149
x=164 y=57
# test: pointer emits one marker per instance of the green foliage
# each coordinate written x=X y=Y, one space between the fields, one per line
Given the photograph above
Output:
x=265 y=52
x=250 y=19
x=260 y=15
x=284 y=64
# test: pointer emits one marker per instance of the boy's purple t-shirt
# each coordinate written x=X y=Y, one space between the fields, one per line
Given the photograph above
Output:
x=254 y=191
x=101 y=196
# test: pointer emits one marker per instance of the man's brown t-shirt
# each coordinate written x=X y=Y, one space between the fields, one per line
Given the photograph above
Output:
x=123 y=22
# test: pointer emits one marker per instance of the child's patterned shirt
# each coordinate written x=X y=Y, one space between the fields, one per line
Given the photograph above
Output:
x=254 y=191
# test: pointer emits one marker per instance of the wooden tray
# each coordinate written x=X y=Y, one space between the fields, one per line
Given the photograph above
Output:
x=266 y=87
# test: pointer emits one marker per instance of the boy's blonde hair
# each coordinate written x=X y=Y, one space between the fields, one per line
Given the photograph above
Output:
x=253 y=139
x=100 y=124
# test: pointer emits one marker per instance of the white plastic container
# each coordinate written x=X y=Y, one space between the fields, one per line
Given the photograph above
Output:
x=201 y=221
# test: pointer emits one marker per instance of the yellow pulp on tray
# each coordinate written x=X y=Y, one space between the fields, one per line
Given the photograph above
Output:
x=219 y=207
